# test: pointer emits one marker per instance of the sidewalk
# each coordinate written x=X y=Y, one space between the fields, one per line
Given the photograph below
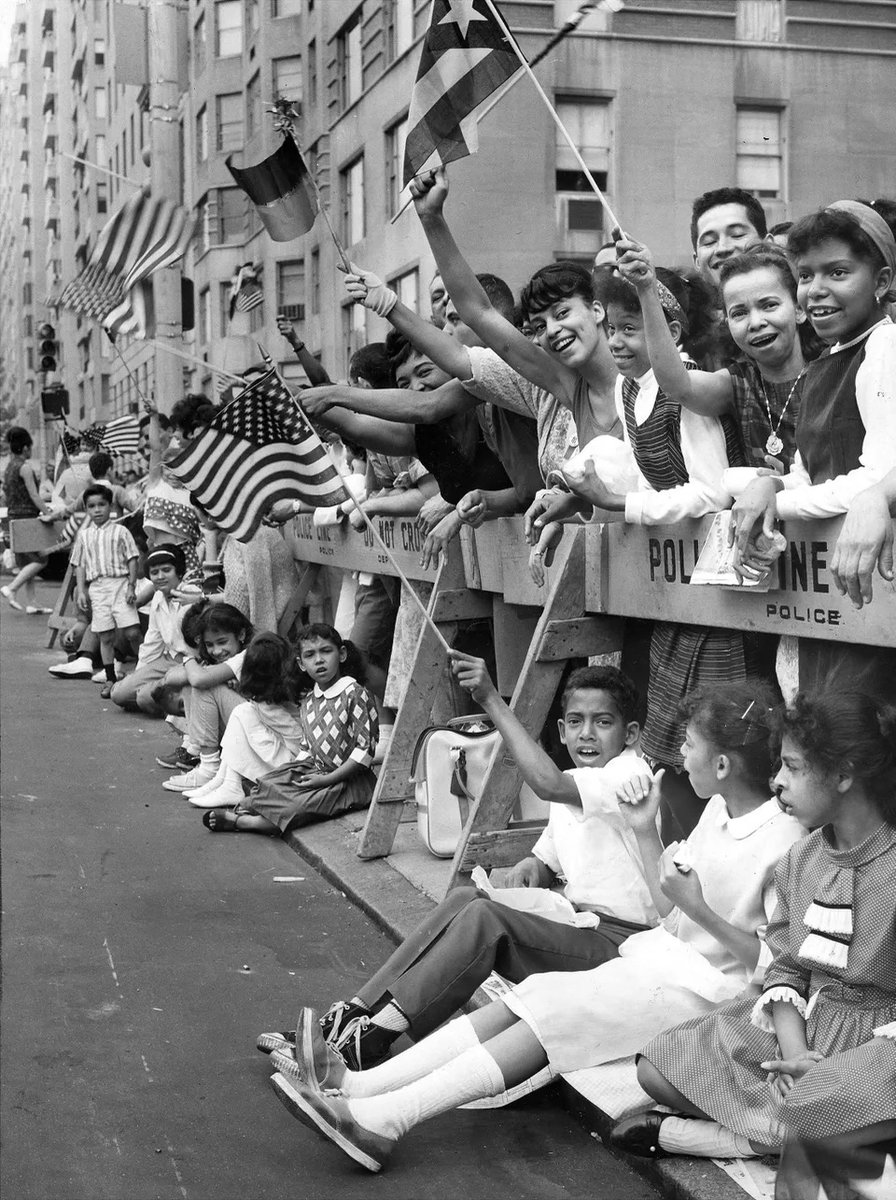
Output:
x=398 y=891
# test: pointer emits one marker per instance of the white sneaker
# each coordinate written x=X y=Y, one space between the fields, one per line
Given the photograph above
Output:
x=227 y=795
x=99 y=677
x=215 y=782
x=192 y=779
x=78 y=668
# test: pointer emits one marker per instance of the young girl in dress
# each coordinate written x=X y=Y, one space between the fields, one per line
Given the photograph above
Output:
x=762 y=390
x=329 y=773
x=845 y=259
x=211 y=682
x=788 y=1063
x=715 y=891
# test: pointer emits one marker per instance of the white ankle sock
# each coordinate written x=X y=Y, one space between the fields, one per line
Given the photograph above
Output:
x=471 y=1076
x=434 y=1051
x=391 y=1017
x=210 y=760
x=703 y=1139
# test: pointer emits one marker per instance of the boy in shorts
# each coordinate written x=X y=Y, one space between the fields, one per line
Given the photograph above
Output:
x=105 y=559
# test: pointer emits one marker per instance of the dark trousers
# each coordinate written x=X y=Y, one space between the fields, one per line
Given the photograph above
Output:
x=439 y=967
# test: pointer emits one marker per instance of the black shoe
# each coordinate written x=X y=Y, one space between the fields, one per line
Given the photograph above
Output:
x=178 y=760
x=362 y=1044
x=337 y=1016
x=639 y=1135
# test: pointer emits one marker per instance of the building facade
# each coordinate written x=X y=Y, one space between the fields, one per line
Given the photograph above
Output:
x=792 y=99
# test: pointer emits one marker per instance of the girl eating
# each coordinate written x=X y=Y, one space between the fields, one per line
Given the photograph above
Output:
x=716 y=893
x=336 y=730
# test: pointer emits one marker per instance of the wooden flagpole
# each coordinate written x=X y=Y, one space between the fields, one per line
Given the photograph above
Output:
x=614 y=220
x=199 y=362
x=124 y=363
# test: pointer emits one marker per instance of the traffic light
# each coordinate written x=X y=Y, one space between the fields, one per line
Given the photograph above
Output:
x=54 y=402
x=47 y=348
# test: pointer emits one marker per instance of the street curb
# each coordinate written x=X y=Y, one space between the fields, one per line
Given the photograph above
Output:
x=396 y=907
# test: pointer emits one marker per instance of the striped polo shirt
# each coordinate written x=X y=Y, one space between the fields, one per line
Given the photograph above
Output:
x=104 y=551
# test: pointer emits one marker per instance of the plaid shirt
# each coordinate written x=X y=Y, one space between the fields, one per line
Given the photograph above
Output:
x=104 y=551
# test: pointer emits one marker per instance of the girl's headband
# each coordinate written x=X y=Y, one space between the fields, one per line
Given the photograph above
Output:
x=670 y=305
x=157 y=558
x=873 y=226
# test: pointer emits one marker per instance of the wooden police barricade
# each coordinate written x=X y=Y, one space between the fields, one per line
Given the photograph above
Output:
x=29 y=535
x=645 y=571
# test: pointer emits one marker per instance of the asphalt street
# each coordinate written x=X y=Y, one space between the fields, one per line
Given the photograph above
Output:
x=141 y=956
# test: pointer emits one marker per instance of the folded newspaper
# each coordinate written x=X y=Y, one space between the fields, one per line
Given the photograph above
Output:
x=540 y=902
x=715 y=565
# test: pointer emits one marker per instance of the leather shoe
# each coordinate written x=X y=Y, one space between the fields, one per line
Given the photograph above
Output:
x=639 y=1134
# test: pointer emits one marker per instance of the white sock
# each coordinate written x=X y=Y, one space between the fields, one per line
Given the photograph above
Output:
x=471 y=1076
x=703 y=1139
x=210 y=785
x=189 y=746
x=230 y=784
x=434 y=1051
x=210 y=760
x=391 y=1017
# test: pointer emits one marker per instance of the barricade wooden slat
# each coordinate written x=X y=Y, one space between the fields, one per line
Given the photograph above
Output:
x=500 y=848
x=641 y=571
x=393 y=785
x=58 y=622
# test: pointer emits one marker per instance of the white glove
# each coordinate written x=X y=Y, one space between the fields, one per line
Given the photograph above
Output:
x=368 y=289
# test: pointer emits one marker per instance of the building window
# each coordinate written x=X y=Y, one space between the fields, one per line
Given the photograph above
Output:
x=222 y=217
x=287 y=77
x=102 y=198
x=253 y=105
x=395 y=139
x=291 y=289
x=199 y=45
x=228 y=28
x=354 y=330
x=312 y=71
x=101 y=149
x=100 y=103
x=399 y=16
x=315 y=280
x=99 y=51
x=133 y=139
x=229 y=125
x=580 y=213
x=348 y=61
x=352 y=190
x=286 y=8
x=202 y=134
x=205 y=317
x=407 y=288
x=254 y=17
x=759 y=152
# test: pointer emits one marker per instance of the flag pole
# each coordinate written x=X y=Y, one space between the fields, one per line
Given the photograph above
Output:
x=528 y=70
x=199 y=362
x=104 y=170
x=124 y=363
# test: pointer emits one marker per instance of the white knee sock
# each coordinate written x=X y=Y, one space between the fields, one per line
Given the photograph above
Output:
x=471 y=1076
x=703 y=1139
x=391 y=1017
x=441 y=1047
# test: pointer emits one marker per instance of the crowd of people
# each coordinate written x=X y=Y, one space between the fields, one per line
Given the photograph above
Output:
x=730 y=814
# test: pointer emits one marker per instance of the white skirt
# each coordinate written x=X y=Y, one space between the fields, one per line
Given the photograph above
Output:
x=259 y=739
x=583 y=1018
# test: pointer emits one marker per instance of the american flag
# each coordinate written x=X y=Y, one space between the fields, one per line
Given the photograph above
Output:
x=143 y=236
x=120 y=436
x=260 y=448
x=466 y=57
x=248 y=297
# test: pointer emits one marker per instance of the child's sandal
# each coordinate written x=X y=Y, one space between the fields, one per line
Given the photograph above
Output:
x=221 y=820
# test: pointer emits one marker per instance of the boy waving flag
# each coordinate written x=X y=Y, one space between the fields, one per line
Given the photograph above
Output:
x=466 y=57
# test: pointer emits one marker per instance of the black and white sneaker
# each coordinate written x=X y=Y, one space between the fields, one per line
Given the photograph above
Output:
x=178 y=760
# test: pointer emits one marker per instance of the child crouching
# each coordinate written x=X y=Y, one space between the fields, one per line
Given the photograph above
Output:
x=328 y=771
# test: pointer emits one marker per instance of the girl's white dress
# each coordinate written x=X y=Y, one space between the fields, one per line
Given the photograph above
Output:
x=676 y=971
x=261 y=737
